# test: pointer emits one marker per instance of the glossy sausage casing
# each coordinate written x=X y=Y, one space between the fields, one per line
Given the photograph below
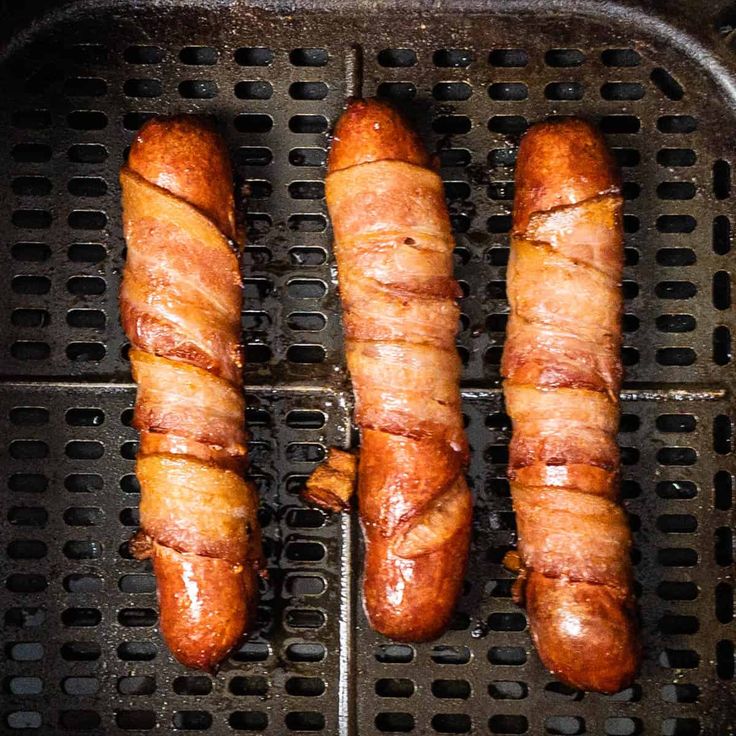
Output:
x=394 y=247
x=180 y=303
x=562 y=375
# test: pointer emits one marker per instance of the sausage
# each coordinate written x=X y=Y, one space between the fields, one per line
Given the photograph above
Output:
x=180 y=305
x=393 y=245
x=562 y=372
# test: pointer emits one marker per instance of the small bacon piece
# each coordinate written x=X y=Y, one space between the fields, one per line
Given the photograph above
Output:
x=331 y=485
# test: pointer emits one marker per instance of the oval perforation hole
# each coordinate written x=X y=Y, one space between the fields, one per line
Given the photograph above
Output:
x=564 y=91
x=87 y=220
x=508 y=91
x=397 y=57
x=254 y=90
x=86 y=120
x=721 y=345
x=721 y=179
x=27 y=483
x=243 y=720
x=29 y=416
x=620 y=91
x=623 y=726
x=36 y=285
x=620 y=57
x=307 y=190
x=676 y=323
x=393 y=722
x=508 y=57
x=305 y=721
x=305 y=551
x=501 y=190
x=136 y=651
x=81 y=617
x=92 y=319
x=136 y=617
x=198 y=89
x=309 y=57
x=32 y=252
x=305 y=687
x=722 y=434
x=143 y=88
x=84 y=449
x=191 y=720
x=306 y=321
x=564 y=725
x=721 y=290
x=392 y=687
x=675 y=190
x=305 y=585
x=304 y=518
x=135 y=720
x=453 y=58
x=675 y=356
x=507 y=124
x=620 y=124
x=79 y=720
x=676 y=257
x=724 y=603
x=31 y=186
x=676 y=124
x=564 y=57
x=448 y=91
x=28 y=450
x=199 y=55
x=308 y=90
x=723 y=490
x=254 y=56
x=508 y=690
x=308 y=124
x=452 y=723
x=508 y=724
x=721 y=235
x=306 y=419
x=307 y=156
x=253 y=123
x=667 y=84
x=35 y=153
x=31 y=219
x=27 y=549
x=31 y=119
x=83 y=516
x=675 y=290
x=136 y=685
x=143 y=55
x=450 y=655
x=136 y=120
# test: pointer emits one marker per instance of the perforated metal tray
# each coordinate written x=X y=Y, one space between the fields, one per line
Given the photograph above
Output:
x=81 y=652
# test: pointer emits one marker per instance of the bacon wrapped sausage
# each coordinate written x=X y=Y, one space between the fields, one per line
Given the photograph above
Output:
x=180 y=306
x=394 y=248
x=562 y=375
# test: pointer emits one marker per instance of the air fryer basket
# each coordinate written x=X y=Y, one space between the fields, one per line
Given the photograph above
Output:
x=81 y=651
